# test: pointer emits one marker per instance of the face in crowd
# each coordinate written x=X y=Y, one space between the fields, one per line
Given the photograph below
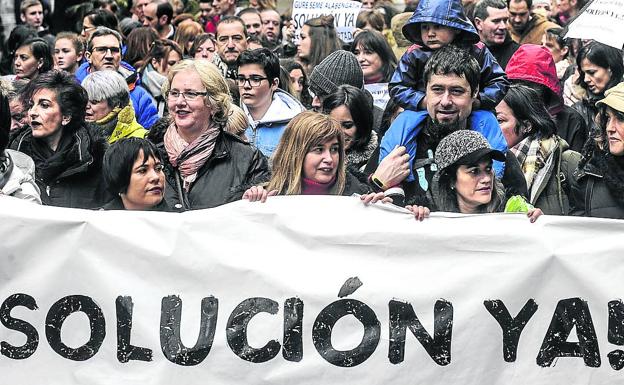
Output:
x=370 y=61
x=255 y=88
x=595 y=76
x=305 y=43
x=615 y=131
x=297 y=80
x=25 y=65
x=271 y=22
x=343 y=115
x=449 y=99
x=139 y=8
x=147 y=184
x=45 y=117
x=33 y=16
x=187 y=103
x=253 y=23
x=105 y=53
x=65 y=55
x=436 y=36
x=519 y=15
x=493 y=29
x=473 y=185
x=231 y=41
x=321 y=161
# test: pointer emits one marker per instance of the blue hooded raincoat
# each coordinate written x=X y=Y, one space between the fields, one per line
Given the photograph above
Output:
x=407 y=86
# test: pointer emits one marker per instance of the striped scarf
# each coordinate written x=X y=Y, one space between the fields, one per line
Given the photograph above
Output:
x=532 y=154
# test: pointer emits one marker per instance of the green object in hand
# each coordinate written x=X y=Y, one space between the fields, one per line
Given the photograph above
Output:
x=517 y=204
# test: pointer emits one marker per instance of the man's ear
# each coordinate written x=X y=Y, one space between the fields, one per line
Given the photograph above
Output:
x=476 y=92
x=163 y=20
x=88 y=56
x=275 y=84
x=478 y=24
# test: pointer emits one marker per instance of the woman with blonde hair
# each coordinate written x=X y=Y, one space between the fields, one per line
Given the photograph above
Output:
x=185 y=35
x=309 y=160
x=205 y=166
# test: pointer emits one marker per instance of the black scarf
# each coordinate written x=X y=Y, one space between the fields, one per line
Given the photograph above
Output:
x=51 y=164
x=612 y=169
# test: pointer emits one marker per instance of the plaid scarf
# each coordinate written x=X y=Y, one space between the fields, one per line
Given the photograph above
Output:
x=188 y=158
x=532 y=153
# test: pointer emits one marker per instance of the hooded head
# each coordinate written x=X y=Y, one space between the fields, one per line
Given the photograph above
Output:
x=533 y=64
x=448 y=13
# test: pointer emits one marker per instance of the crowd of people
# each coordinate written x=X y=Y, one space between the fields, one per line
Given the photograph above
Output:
x=191 y=104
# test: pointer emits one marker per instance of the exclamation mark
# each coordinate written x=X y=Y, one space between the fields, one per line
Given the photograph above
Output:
x=616 y=333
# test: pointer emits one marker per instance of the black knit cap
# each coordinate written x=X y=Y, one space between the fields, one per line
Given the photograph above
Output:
x=340 y=67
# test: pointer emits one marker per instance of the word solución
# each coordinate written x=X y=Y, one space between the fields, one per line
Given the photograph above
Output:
x=569 y=314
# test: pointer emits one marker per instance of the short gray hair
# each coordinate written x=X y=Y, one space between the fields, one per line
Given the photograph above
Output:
x=107 y=85
x=103 y=31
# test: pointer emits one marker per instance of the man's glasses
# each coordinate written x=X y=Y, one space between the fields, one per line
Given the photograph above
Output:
x=254 y=81
x=104 y=50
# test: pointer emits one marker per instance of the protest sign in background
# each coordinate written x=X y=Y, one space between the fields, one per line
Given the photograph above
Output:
x=344 y=11
x=291 y=257
x=601 y=20
x=380 y=93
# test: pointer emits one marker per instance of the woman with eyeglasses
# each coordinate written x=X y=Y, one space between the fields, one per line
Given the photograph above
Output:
x=205 y=166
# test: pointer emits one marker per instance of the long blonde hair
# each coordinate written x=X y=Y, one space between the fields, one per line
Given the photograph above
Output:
x=304 y=131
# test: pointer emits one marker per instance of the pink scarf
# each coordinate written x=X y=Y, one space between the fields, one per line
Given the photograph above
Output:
x=189 y=158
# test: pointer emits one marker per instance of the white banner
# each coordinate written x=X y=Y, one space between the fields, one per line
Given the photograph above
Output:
x=252 y=293
x=602 y=20
x=344 y=11
x=380 y=93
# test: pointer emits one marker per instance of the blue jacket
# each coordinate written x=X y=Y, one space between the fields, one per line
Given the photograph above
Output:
x=266 y=133
x=142 y=102
x=407 y=86
x=406 y=127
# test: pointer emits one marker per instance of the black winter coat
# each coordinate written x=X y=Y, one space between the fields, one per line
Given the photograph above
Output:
x=80 y=184
x=589 y=194
x=233 y=167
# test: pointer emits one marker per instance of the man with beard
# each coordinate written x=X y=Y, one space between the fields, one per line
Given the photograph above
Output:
x=451 y=79
x=490 y=19
x=231 y=42
x=158 y=15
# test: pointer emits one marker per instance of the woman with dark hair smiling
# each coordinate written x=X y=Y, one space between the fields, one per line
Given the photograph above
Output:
x=68 y=156
x=353 y=109
x=375 y=57
x=133 y=173
x=544 y=157
x=598 y=185
x=32 y=58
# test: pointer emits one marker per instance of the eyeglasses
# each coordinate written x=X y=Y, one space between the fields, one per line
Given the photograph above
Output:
x=254 y=81
x=187 y=95
x=104 y=50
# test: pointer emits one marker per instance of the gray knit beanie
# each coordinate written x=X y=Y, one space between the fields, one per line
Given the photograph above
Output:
x=340 y=67
x=464 y=147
